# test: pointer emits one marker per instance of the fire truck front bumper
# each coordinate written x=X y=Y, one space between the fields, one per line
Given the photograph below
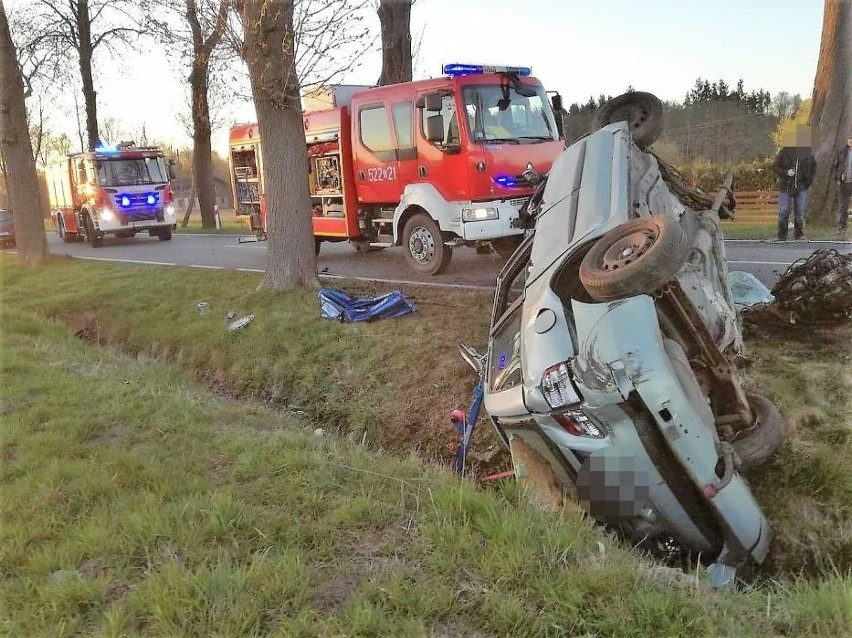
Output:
x=109 y=221
x=491 y=220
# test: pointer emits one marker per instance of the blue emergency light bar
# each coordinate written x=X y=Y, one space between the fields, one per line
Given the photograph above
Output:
x=470 y=69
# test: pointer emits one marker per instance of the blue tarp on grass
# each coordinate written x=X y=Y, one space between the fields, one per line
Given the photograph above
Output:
x=335 y=304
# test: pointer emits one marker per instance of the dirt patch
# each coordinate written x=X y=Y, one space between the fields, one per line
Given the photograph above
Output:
x=333 y=595
x=9 y=452
x=92 y=567
x=86 y=327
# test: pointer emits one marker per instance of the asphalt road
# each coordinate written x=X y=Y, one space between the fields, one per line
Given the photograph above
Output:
x=767 y=261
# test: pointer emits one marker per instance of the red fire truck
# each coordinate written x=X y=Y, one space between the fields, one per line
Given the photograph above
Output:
x=119 y=190
x=429 y=165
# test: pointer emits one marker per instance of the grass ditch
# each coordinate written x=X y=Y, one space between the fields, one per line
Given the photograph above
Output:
x=133 y=494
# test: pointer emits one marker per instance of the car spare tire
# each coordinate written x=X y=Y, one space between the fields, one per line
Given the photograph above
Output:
x=634 y=258
x=642 y=111
x=759 y=443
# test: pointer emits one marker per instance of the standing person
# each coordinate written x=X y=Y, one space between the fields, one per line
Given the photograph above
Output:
x=795 y=167
x=843 y=175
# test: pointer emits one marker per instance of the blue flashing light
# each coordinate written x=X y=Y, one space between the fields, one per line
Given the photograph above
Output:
x=124 y=201
x=106 y=149
x=470 y=69
x=152 y=199
x=506 y=181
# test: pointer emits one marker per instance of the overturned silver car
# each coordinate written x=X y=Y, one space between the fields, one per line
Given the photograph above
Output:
x=613 y=350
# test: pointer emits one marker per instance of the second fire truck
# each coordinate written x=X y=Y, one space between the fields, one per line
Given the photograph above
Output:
x=116 y=191
x=428 y=165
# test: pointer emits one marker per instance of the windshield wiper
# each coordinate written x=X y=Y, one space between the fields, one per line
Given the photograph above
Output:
x=538 y=138
x=500 y=140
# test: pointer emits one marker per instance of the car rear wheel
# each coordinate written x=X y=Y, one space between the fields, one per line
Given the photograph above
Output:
x=642 y=111
x=424 y=247
x=634 y=258
x=763 y=439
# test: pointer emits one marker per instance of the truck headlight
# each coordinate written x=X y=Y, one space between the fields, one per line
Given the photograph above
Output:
x=107 y=215
x=478 y=214
x=170 y=210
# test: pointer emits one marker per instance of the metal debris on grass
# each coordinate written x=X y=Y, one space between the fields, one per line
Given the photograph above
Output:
x=240 y=323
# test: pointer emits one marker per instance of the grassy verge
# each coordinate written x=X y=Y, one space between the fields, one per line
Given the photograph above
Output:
x=230 y=224
x=137 y=502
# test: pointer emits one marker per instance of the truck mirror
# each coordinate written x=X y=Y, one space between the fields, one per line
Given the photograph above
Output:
x=433 y=102
x=556 y=102
x=82 y=176
x=172 y=169
x=435 y=128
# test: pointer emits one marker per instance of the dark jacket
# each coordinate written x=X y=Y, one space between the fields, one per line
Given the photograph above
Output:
x=839 y=165
x=801 y=161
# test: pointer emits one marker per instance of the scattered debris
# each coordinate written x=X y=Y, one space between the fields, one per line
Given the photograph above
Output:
x=203 y=307
x=319 y=432
x=230 y=315
x=815 y=290
x=335 y=304
x=240 y=323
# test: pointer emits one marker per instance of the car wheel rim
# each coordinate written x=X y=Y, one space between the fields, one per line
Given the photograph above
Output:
x=628 y=249
x=421 y=245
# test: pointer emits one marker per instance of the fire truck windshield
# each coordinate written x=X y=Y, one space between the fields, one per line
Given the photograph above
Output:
x=129 y=172
x=500 y=114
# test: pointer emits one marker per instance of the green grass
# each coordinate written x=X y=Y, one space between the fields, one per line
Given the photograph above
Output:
x=230 y=224
x=140 y=498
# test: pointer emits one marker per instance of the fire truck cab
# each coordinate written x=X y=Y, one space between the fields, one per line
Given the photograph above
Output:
x=428 y=165
x=118 y=190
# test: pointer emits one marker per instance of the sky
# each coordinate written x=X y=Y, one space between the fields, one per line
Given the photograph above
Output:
x=577 y=47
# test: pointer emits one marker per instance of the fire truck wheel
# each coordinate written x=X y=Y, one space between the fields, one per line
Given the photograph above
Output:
x=317 y=245
x=96 y=239
x=634 y=258
x=424 y=247
x=63 y=234
x=165 y=234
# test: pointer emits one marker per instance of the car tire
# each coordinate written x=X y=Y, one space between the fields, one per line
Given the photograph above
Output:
x=763 y=439
x=424 y=247
x=642 y=111
x=165 y=234
x=634 y=258
x=506 y=246
x=96 y=239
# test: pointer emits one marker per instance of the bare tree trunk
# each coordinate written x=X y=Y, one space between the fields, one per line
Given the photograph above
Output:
x=269 y=52
x=84 y=50
x=202 y=129
x=22 y=179
x=395 y=18
x=202 y=147
x=831 y=111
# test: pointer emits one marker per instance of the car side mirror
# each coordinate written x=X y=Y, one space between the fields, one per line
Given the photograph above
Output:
x=435 y=128
x=172 y=169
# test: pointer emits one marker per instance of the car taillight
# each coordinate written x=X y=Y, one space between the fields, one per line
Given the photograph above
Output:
x=576 y=423
x=167 y=195
x=557 y=387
